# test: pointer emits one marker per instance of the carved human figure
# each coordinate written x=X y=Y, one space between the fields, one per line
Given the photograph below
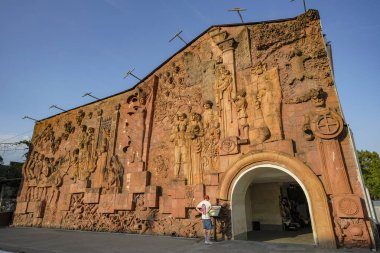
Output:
x=241 y=108
x=85 y=154
x=56 y=179
x=211 y=137
x=82 y=137
x=297 y=61
x=194 y=133
x=44 y=177
x=223 y=89
x=178 y=136
x=114 y=174
x=269 y=100
x=210 y=120
x=82 y=147
x=90 y=148
x=102 y=161
x=38 y=165
x=29 y=167
x=75 y=165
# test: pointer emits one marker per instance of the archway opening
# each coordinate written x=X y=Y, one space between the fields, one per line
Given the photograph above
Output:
x=270 y=204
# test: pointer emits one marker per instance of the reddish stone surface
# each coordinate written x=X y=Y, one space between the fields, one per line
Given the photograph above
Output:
x=165 y=204
x=236 y=90
x=91 y=196
x=178 y=208
x=139 y=180
x=124 y=201
x=21 y=207
x=151 y=196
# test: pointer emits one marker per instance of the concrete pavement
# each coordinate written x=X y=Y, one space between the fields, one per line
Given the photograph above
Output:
x=41 y=240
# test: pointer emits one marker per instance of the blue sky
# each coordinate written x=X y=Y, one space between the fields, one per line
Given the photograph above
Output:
x=52 y=52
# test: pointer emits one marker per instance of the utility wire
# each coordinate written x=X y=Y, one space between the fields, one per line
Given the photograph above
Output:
x=7 y=139
x=9 y=150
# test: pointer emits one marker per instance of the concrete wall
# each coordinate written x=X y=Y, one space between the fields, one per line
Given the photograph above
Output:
x=265 y=205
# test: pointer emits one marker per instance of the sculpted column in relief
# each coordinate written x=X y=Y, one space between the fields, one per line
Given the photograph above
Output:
x=324 y=124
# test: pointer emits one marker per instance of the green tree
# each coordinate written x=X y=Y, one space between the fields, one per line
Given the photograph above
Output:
x=29 y=147
x=370 y=165
x=1 y=160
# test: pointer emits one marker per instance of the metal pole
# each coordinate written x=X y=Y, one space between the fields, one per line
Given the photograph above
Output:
x=177 y=35
x=90 y=95
x=304 y=5
x=54 y=106
x=238 y=10
x=129 y=73
x=215 y=239
x=27 y=117
x=241 y=17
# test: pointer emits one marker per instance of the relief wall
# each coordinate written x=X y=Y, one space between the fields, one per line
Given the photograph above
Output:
x=140 y=161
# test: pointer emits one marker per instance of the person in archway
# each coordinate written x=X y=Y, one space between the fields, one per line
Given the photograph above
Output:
x=204 y=208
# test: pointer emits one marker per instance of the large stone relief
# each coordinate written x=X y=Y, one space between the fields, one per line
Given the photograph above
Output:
x=141 y=160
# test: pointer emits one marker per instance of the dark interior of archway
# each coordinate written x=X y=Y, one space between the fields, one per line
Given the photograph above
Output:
x=279 y=213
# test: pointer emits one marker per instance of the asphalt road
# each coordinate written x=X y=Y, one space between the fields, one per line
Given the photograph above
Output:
x=41 y=240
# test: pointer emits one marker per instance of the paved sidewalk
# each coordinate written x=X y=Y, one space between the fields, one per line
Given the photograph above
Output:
x=33 y=240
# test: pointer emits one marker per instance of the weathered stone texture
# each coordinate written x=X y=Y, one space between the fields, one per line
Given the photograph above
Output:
x=141 y=160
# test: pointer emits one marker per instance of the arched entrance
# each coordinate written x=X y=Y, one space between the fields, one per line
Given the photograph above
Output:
x=240 y=175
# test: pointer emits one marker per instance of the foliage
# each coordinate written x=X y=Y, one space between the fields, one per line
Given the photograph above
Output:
x=1 y=160
x=370 y=165
x=29 y=147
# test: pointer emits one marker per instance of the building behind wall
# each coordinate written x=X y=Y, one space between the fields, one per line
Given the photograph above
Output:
x=237 y=96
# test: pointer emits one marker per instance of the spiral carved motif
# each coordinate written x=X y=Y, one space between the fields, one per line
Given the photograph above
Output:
x=228 y=145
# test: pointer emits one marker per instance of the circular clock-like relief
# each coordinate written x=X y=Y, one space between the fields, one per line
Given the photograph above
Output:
x=348 y=206
x=328 y=125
